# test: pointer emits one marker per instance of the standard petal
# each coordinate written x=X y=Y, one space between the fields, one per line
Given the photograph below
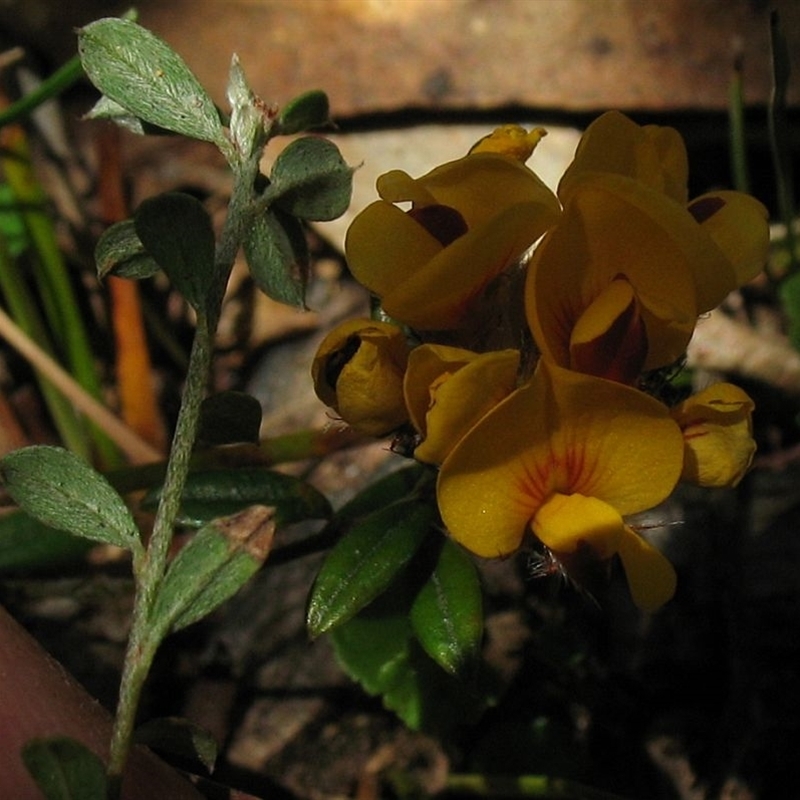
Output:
x=651 y=578
x=484 y=184
x=652 y=155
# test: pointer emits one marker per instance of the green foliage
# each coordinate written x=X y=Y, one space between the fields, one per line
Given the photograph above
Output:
x=377 y=647
x=120 y=252
x=277 y=254
x=145 y=76
x=310 y=180
x=65 y=769
x=212 y=567
x=229 y=418
x=147 y=87
x=447 y=613
x=366 y=560
x=305 y=112
x=63 y=491
x=176 y=231
x=215 y=493
x=29 y=546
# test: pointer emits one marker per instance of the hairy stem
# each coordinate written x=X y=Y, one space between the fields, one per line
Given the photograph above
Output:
x=146 y=633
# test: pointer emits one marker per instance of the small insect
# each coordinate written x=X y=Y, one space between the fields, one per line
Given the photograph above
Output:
x=405 y=441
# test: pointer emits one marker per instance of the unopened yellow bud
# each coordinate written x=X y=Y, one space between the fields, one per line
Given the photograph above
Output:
x=358 y=371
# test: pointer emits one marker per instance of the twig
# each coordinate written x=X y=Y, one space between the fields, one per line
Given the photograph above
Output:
x=136 y=449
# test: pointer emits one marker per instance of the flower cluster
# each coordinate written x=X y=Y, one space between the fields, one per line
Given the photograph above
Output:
x=526 y=380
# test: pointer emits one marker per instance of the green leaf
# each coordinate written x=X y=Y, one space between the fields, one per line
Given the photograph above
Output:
x=213 y=566
x=144 y=75
x=28 y=546
x=176 y=231
x=63 y=491
x=65 y=769
x=229 y=418
x=277 y=254
x=175 y=736
x=305 y=112
x=365 y=560
x=120 y=252
x=377 y=648
x=447 y=614
x=210 y=494
x=311 y=180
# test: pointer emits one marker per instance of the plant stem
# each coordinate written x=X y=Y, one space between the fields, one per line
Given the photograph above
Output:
x=147 y=633
x=145 y=636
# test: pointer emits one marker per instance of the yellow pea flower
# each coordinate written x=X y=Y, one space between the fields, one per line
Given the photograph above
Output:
x=610 y=290
x=616 y=286
x=448 y=390
x=358 y=371
x=566 y=456
x=468 y=220
x=717 y=431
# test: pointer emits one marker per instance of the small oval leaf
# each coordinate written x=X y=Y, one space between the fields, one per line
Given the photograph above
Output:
x=212 y=567
x=144 y=75
x=120 y=252
x=447 y=614
x=305 y=112
x=63 y=491
x=310 y=180
x=229 y=418
x=365 y=560
x=176 y=231
x=277 y=253
x=216 y=493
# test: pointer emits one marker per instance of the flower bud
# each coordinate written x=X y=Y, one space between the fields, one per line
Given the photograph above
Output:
x=358 y=371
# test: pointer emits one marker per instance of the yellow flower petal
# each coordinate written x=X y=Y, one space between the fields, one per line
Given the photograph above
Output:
x=358 y=371
x=651 y=578
x=717 y=431
x=441 y=294
x=653 y=155
x=385 y=246
x=448 y=390
x=562 y=432
x=565 y=522
x=739 y=225
x=510 y=140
